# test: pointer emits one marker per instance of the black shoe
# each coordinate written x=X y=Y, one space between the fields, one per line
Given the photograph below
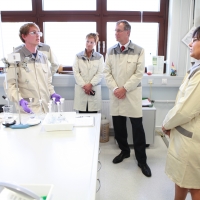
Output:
x=121 y=157
x=145 y=169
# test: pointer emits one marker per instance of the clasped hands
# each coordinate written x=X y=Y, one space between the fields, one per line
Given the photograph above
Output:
x=167 y=132
x=87 y=88
x=120 y=93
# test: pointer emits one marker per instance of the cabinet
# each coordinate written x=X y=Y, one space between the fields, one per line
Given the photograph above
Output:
x=149 y=119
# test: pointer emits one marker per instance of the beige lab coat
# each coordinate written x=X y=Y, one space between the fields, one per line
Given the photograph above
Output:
x=88 y=71
x=34 y=81
x=183 y=158
x=125 y=69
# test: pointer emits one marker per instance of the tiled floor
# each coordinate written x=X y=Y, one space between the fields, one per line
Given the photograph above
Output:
x=125 y=181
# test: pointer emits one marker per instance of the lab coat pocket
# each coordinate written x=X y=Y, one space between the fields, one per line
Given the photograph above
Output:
x=131 y=64
x=45 y=71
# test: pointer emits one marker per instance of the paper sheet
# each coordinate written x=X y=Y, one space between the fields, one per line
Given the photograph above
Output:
x=146 y=102
x=84 y=121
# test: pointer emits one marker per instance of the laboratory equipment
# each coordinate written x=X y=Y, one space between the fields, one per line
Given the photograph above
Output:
x=17 y=190
x=49 y=107
x=54 y=104
x=8 y=116
x=56 y=121
x=58 y=106
x=6 y=99
x=32 y=115
x=62 y=104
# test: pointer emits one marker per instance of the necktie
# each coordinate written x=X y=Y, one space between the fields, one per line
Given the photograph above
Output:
x=122 y=48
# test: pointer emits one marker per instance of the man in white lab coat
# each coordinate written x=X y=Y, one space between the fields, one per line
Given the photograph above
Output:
x=124 y=68
x=34 y=75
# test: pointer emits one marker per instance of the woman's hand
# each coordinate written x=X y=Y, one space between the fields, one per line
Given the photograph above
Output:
x=87 y=88
x=167 y=132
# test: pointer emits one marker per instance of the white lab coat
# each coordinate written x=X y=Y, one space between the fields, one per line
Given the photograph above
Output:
x=125 y=69
x=35 y=84
x=88 y=71
x=46 y=49
x=183 y=157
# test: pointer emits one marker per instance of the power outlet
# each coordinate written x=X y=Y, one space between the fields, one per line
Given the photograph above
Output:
x=150 y=81
x=164 y=81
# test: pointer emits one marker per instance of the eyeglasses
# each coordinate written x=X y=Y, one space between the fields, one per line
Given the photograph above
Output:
x=119 y=31
x=36 y=33
x=194 y=40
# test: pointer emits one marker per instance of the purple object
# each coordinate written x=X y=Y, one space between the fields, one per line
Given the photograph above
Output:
x=56 y=96
x=24 y=104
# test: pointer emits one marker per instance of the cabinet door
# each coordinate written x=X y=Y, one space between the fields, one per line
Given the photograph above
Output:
x=149 y=117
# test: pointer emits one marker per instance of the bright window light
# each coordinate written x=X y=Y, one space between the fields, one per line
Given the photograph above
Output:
x=10 y=32
x=133 y=5
x=67 y=38
x=12 y=5
x=142 y=34
x=69 y=5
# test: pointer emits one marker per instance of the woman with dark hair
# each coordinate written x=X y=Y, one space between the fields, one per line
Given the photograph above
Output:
x=182 y=124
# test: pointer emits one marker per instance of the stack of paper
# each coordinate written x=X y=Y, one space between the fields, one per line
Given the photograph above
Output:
x=84 y=121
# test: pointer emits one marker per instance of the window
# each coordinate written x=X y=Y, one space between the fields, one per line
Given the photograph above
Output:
x=142 y=34
x=134 y=5
x=69 y=5
x=67 y=38
x=66 y=24
x=11 y=5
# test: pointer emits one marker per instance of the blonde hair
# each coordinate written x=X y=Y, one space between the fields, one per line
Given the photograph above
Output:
x=93 y=35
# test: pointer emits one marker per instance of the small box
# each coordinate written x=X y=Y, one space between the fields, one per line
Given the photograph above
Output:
x=40 y=189
x=59 y=121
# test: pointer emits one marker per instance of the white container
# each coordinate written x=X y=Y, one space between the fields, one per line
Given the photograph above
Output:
x=40 y=189
x=59 y=121
x=26 y=191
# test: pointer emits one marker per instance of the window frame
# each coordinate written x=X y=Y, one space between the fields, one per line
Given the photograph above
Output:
x=101 y=16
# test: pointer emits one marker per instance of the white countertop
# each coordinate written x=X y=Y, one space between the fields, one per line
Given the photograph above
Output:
x=66 y=159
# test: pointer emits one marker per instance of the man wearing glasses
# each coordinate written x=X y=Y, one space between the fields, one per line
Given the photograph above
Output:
x=34 y=75
x=124 y=68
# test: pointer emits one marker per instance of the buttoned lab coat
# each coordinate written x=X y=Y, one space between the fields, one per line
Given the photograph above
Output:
x=125 y=69
x=35 y=84
x=54 y=65
x=183 y=157
x=88 y=71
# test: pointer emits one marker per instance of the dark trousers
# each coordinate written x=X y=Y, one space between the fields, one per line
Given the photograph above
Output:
x=87 y=111
x=139 y=141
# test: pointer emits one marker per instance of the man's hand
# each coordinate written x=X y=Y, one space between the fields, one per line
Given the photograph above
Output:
x=120 y=93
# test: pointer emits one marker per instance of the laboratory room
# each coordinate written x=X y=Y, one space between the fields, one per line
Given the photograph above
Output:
x=97 y=100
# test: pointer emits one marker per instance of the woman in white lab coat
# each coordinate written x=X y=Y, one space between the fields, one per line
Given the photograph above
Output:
x=87 y=68
x=182 y=124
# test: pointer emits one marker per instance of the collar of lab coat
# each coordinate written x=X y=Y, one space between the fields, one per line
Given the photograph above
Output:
x=83 y=55
x=117 y=47
x=126 y=45
x=27 y=53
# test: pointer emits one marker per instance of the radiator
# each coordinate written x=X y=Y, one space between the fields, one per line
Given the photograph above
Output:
x=105 y=109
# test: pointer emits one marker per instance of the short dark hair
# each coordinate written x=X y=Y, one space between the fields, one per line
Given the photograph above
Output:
x=196 y=33
x=127 y=25
x=24 y=30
